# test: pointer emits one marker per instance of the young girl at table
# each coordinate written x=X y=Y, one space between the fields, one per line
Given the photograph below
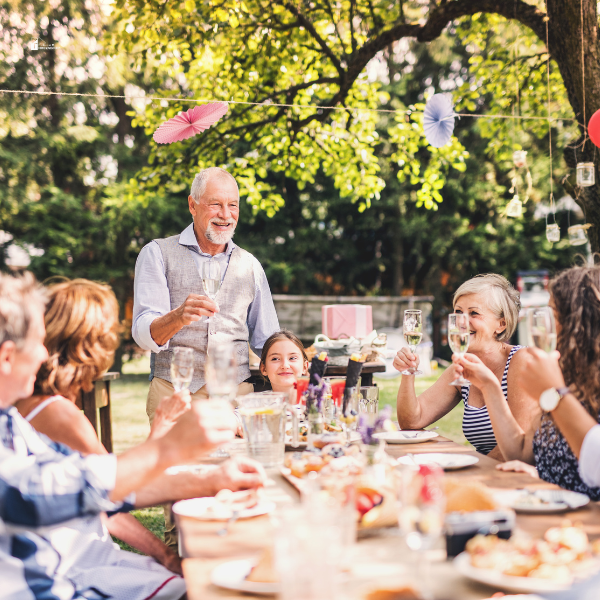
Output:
x=569 y=396
x=283 y=360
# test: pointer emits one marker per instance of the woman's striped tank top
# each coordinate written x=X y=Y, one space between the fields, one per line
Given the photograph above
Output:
x=477 y=426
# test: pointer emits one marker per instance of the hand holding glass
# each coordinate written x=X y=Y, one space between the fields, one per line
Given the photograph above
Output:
x=182 y=368
x=413 y=332
x=458 y=339
x=542 y=328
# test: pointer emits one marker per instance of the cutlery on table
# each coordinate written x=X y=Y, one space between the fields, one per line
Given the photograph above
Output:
x=225 y=530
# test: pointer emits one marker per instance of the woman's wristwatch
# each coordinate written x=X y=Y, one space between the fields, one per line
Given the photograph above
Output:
x=551 y=397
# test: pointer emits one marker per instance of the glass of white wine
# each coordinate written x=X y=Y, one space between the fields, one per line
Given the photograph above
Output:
x=542 y=328
x=182 y=368
x=458 y=339
x=211 y=279
x=413 y=333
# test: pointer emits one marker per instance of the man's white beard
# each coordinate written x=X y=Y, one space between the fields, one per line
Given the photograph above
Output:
x=219 y=237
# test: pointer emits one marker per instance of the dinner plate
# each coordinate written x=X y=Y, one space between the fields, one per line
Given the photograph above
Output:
x=553 y=501
x=198 y=509
x=406 y=436
x=507 y=583
x=354 y=437
x=232 y=576
x=448 y=462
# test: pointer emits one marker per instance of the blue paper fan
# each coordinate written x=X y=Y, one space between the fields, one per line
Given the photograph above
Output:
x=438 y=120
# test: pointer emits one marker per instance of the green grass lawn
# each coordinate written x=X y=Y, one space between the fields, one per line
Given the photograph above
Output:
x=130 y=423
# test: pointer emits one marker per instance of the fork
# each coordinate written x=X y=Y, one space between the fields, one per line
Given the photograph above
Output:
x=225 y=530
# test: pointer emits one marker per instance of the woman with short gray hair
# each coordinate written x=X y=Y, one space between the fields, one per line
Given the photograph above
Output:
x=493 y=305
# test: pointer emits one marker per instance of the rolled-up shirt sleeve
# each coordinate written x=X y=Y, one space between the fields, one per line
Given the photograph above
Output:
x=150 y=296
x=262 y=317
x=589 y=458
x=51 y=487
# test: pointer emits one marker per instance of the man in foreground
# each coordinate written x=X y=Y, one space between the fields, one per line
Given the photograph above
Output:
x=51 y=498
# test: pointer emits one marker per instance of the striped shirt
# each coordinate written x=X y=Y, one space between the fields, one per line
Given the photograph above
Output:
x=477 y=426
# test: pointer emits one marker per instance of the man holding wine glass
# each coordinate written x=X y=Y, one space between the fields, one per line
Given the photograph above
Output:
x=198 y=290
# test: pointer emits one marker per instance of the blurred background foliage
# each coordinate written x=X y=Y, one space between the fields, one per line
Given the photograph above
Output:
x=356 y=204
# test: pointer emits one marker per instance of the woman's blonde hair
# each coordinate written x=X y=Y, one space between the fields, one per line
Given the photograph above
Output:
x=82 y=334
x=500 y=297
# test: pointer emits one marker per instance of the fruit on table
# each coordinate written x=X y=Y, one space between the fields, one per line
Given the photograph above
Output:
x=367 y=499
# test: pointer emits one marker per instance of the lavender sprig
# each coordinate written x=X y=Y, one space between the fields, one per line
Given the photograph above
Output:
x=366 y=431
x=314 y=395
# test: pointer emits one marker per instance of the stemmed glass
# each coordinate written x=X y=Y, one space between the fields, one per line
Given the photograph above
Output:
x=182 y=368
x=221 y=379
x=421 y=511
x=542 y=328
x=458 y=339
x=211 y=279
x=413 y=332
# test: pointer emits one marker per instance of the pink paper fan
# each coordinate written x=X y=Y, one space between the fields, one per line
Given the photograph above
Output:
x=189 y=123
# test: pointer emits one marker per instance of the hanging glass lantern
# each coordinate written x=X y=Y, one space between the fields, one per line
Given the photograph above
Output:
x=552 y=232
x=578 y=234
x=586 y=174
x=514 y=208
x=520 y=158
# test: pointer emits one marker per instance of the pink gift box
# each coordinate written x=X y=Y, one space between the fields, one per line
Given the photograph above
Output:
x=352 y=320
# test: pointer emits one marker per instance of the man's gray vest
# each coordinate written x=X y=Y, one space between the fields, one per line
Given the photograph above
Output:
x=228 y=325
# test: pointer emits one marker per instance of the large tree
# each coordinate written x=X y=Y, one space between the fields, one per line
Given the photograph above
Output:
x=314 y=53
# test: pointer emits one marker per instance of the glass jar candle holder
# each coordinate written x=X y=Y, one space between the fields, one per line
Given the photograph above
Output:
x=586 y=174
x=552 y=232
x=520 y=158
x=578 y=235
x=514 y=208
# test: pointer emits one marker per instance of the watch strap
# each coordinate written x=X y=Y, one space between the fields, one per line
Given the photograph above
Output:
x=563 y=391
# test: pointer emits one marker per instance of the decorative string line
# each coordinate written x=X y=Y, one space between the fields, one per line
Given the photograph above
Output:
x=583 y=76
x=274 y=104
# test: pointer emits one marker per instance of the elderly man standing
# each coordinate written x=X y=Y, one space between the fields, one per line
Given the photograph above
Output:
x=169 y=302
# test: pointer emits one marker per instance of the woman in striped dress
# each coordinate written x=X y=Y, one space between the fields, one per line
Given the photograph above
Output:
x=493 y=308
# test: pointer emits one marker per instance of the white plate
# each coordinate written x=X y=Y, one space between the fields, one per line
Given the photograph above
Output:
x=354 y=437
x=507 y=583
x=405 y=436
x=198 y=507
x=448 y=462
x=232 y=576
x=514 y=499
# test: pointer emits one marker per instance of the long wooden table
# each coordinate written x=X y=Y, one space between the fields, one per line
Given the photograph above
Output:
x=377 y=560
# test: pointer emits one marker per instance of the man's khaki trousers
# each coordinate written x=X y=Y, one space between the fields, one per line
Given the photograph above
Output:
x=159 y=388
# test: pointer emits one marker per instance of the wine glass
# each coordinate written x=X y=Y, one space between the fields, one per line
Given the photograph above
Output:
x=413 y=332
x=458 y=339
x=220 y=372
x=211 y=279
x=182 y=368
x=421 y=512
x=542 y=328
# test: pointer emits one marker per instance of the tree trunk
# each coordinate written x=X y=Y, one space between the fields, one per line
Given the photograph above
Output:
x=565 y=30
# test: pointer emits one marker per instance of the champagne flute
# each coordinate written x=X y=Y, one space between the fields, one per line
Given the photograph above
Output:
x=182 y=368
x=413 y=332
x=220 y=372
x=542 y=328
x=221 y=379
x=458 y=339
x=211 y=279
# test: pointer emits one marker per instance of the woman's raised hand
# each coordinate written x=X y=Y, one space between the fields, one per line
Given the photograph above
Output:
x=471 y=367
x=405 y=359
x=540 y=372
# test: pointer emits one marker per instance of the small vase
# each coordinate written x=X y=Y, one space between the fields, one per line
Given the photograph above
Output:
x=316 y=427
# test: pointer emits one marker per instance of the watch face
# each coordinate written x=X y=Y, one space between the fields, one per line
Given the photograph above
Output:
x=549 y=400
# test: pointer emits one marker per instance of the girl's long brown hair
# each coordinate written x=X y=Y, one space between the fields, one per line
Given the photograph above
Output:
x=82 y=334
x=576 y=296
